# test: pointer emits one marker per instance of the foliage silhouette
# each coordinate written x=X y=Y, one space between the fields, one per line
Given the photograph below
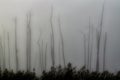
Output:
x=59 y=73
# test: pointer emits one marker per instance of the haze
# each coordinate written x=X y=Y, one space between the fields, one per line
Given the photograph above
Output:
x=75 y=17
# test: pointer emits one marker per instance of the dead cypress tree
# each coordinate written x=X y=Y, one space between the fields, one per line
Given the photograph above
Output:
x=85 y=52
x=62 y=42
x=104 y=53
x=8 y=49
x=1 y=53
x=52 y=38
x=42 y=56
x=28 y=42
x=4 y=59
x=40 y=61
x=91 y=47
x=59 y=53
x=88 y=60
x=40 y=52
x=99 y=34
x=85 y=63
x=16 y=46
x=46 y=57
x=97 y=45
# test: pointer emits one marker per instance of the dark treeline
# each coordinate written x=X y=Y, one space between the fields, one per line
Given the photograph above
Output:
x=59 y=73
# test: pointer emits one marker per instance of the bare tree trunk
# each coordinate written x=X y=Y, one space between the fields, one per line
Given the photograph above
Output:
x=85 y=52
x=97 y=44
x=88 y=62
x=99 y=34
x=1 y=54
x=85 y=63
x=40 y=51
x=46 y=57
x=62 y=42
x=16 y=46
x=59 y=53
x=104 y=54
x=28 y=42
x=8 y=50
x=91 y=47
x=52 y=38
x=4 y=60
x=40 y=56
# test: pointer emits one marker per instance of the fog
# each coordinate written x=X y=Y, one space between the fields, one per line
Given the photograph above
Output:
x=70 y=21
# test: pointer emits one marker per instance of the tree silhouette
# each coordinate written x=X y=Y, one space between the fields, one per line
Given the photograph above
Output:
x=62 y=42
x=99 y=34
x=104 y=53
x=8 y=39
x=16 y=46
x=52 y=38
x=28 y=42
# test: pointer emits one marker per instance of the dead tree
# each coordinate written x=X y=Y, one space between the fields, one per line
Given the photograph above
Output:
x=40 y=60
x=8 y=50
x=4 y=59
x=88 y=55
x=16 y=46
x=99 y=34
x=28 y=42
x=1 y=54
x=52 y=38
x=62 y=42
x=85 y=63
x=42 y=56
x=46 y=57
x=104 y=53
x=59 y=53
x=91 y=47
x=85 y=52
x=40 y=52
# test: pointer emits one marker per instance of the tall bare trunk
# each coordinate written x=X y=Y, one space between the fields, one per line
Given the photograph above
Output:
x=99 y=34
x=85 y=52
x=40 y=52
x=16 y=46
x=40 y=61
x=8 y=50
x=85 y=63
x=46 y=57
x=91 y=47
x=4 y=60
x=1 y=54
x=104 y=54
x=42 y=57
x=52 y=38
x=28 y=42
x=62 y=42
x=88 y=61
x=59 y=53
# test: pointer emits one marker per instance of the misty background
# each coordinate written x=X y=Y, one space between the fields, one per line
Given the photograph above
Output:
x=75 y=18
